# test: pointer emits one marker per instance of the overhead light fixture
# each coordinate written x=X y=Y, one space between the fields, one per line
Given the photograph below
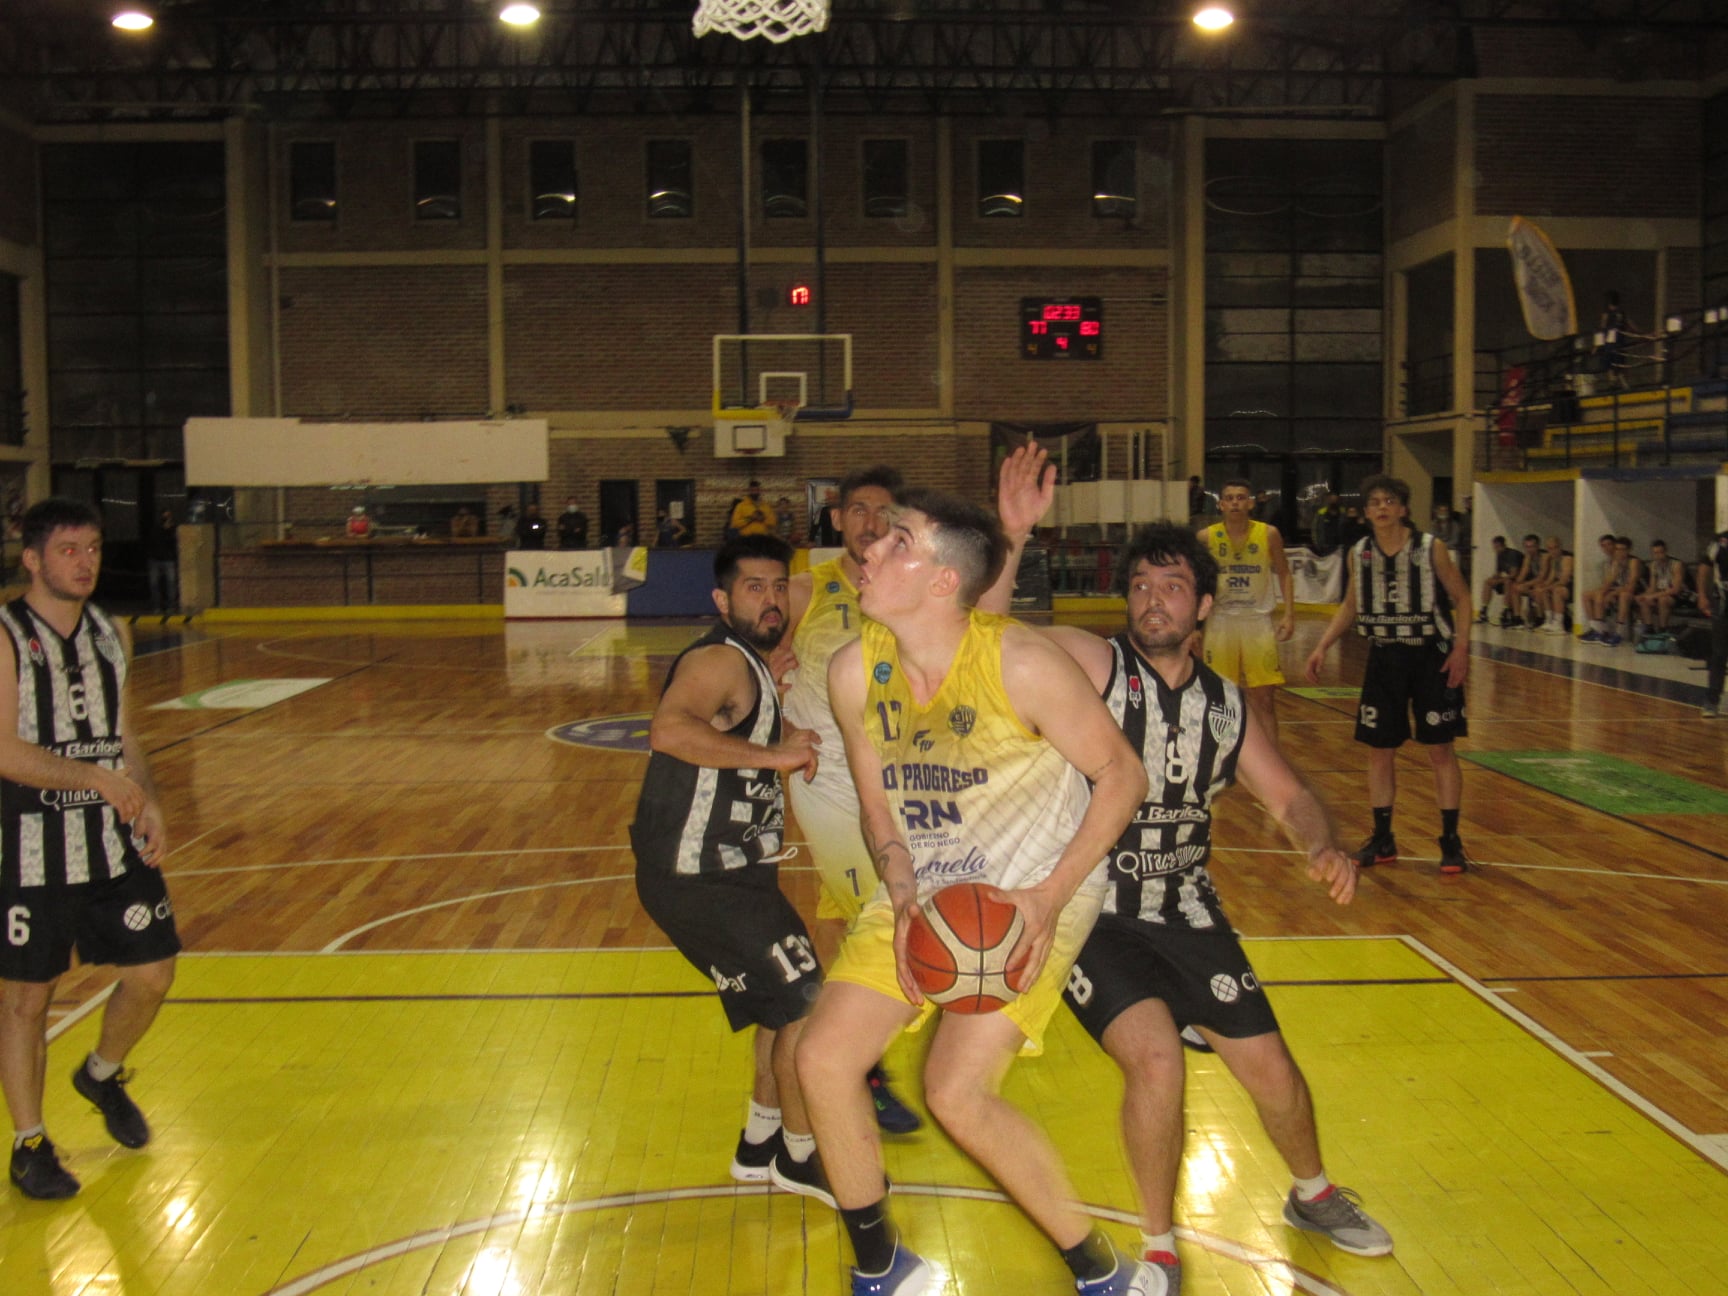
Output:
x=1213 y=18
x=520 y=15
x=133 y=20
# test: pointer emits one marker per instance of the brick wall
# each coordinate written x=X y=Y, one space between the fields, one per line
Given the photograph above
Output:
x=1684 y=286
x=1624 y=54
x=383 y=343
x=17 y=188
x=1569 y=155
x=1422 y=158
x=991 y=381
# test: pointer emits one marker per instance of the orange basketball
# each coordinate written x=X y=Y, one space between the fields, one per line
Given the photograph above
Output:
x=961 y=946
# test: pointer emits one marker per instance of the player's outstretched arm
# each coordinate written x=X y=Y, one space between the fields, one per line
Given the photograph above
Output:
x=33 y=766
x=882 y=835
x=714 y=685
x=1025 y=489
x=1053 y=697
x=1263 y=770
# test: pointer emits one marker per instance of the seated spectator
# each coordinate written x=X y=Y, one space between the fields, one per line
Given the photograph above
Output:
x=1554 y=591
x=1608 y=607
x=463 y=523
x=359 y=525
x=1507 y=564
x=1663 y=586
x=1532 y=571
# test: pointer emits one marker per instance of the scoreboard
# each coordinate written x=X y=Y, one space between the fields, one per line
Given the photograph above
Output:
x=1061 y=328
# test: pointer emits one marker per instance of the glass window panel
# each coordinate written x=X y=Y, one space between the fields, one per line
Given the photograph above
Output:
x=887 y=177
x=93 y=342
x=1226 y=233
x=178 y=285
x=1267 y=347
x=438 y=180
x=171 y=396
x=1268 y=436
x=1337 y=346
x=1339 y=265
x=312 y=180
x=1337 y=434
x=1247 y=391
x=1355 y=233
x=1252 y=321
x=94 y=285
x=1342 y=390
x=1115 y=182
x=1247 y=264
x=1338 y=292
x=1248 y=292
x=1337 y=321
x=185 y=341
x=785 y=179
x=552 y=187
x=178 y=225
x=92 y=400
x=671 y=193
x=1001 y=178
x=85 y=229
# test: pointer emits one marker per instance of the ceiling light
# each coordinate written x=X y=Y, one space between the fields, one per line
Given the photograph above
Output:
x=519 y=15
x=133 y=20
x=1213 y=18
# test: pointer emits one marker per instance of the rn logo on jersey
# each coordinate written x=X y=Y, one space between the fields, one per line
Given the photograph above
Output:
x=610 y=733
x=882 y=673
x=961 y=719
x=833 y=587
x=136 y=917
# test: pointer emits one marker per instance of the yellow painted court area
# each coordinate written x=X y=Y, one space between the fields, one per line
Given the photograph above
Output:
x=497 y=1124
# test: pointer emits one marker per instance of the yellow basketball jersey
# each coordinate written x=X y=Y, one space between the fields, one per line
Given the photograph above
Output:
x=980 y=797
x=1245 y=581
x=830 y=622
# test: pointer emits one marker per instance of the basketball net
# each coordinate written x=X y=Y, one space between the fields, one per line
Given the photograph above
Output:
x=778 y=20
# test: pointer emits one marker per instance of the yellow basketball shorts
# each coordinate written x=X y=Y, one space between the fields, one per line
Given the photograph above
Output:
x=843 y=865
x=1243 y=649
x=867 y=959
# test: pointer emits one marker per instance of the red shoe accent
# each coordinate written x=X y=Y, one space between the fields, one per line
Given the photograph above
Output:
x=1160 y=1257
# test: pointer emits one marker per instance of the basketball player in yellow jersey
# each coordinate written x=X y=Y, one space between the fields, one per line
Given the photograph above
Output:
x=1241 y=642
x=967 y=735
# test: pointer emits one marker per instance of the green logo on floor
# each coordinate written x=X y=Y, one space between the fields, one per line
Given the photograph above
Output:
x=1606 y=783
x=1325 y=692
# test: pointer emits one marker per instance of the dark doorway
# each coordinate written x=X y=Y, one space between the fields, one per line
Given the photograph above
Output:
x=618 y=509
x=1291 y=487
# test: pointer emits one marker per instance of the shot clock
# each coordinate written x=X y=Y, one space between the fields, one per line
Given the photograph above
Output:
x=1062 y=328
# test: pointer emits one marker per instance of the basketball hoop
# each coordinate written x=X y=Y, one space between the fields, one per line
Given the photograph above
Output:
x=777 y=20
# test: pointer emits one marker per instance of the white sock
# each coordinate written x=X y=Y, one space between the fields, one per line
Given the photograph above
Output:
x=1150 y=1242
x=800 y=1147
x=1309 y=1189
x=23 y=1136
x=99 y=1067
x=762 y=1123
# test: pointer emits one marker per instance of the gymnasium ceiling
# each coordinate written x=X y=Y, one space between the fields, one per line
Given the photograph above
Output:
x=61 y=61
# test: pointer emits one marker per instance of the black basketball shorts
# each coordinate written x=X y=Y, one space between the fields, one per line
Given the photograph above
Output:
x=1401 y=679
x=1203 y=977
x=122 y=921
x=739 y=931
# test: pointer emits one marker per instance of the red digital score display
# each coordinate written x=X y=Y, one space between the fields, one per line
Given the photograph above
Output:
x=798 y=295
x=1067 y=328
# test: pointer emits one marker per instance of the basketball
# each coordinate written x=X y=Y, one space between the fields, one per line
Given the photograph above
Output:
x=960 y=946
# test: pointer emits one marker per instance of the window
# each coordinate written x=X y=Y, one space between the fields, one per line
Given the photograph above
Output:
x=1001 y=177
x=785 y=179
x=886 y=178
x=437 y=180
x=312 y=180
x=552 y=179
x=671 y=193
x=1115 y=187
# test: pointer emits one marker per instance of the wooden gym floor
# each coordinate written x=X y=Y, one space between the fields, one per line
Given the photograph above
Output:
x=424 y=1041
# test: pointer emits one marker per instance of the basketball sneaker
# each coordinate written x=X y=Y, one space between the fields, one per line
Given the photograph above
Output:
x=1590 y=636
x=802 y=1177
x=126 y=1124
x=907 y=1276
x=1377 y=850
x=1452 y=856
x=1171 y=1267
x=751 y=1161
x=1338 y=1214
x=1709 y=711
x=38 y=1173
x=1128 y=1278
x=892 y=1115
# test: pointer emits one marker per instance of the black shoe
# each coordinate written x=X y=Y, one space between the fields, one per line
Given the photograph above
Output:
x=1377 y=850
x=38 y=1173
x=126 y=1124
x=892 y=1115
x=802 y=1177
x=751 y=1161
x=1452 y=857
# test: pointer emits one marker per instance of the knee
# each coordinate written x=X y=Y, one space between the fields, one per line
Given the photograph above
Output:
x=24 y=1005
x=152 y=980
x=821 y=1059
x=953 y=1101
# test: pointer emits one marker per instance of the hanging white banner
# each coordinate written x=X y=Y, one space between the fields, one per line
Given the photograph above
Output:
x=1544 y=288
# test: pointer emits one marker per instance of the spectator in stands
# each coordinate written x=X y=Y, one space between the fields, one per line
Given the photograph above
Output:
x=783 y=519
x=1608 y=607
x=1554 y=591
x=1328 y=524
x=1611 y=352
x=669 y=532
x=359 y=525
x=1664 y=584
x=625 y=536
x=750 y=516
x=1507 y=563
x=572 y=526
x=463 y=523
x=1532 y=571
x=532 y=533
x=826 y=535
x=1713 y=602
x=1196 y=497
x=1445 y=526
x=507 y=525
x=1466 y=537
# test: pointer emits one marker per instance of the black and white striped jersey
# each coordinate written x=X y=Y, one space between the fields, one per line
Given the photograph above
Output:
x=693 y=819
x=1399 y=599
x=69 y=703
x=1189 y=739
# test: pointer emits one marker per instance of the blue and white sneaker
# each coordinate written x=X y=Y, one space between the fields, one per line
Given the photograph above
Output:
x=1130 y=1278
x=1590 y=636
x=908 y=1275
